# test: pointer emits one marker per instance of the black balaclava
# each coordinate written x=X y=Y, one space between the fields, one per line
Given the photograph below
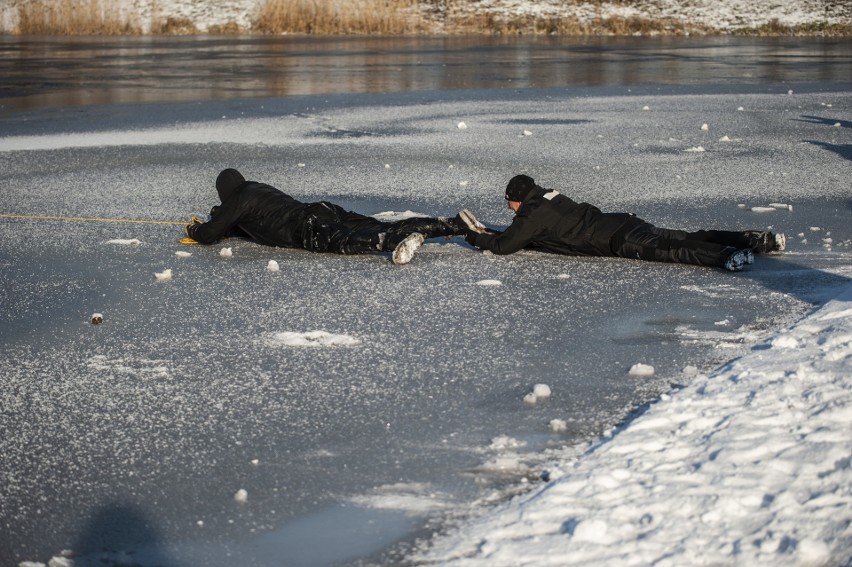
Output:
x=227 y=182
x=519 y=187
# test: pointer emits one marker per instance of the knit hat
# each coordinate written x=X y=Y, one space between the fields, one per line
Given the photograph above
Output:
x=519 y=187
x=228 y=180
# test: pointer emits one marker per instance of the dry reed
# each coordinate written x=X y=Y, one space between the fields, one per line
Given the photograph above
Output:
x=327 y=17
x=73 y=17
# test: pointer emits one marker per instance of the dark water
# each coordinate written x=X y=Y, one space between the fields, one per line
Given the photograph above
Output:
x=50 y=72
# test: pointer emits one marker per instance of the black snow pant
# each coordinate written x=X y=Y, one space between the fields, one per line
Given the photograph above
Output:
x=644 y=241
x=330 y=228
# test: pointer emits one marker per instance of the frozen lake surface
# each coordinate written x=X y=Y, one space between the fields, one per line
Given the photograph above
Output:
x=132 y=438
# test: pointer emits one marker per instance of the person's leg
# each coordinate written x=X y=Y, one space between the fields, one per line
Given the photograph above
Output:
x=647 y=242
x=761 y=242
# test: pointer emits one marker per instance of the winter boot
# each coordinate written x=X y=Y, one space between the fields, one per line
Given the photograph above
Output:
x=404 y=251
x=765 y=242
x=466 y=219
x=738 y=259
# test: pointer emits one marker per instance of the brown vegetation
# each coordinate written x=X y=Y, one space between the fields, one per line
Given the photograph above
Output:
x=72 y=17
x=319 y=17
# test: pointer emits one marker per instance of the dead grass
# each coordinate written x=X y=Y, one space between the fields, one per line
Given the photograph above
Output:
x=327 y=17
x=73 y=17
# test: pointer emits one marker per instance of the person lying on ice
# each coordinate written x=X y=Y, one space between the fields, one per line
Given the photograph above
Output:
x=552 y=222
x=269 y=216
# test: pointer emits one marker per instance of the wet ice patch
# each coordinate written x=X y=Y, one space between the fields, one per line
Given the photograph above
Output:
x=413 y=498
x=313 y=339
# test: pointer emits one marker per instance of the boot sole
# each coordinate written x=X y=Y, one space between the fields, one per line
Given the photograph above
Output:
x=404 y=251
x=467 y=217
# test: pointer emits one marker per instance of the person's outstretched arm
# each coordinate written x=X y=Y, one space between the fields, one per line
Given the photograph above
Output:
x=520 y=234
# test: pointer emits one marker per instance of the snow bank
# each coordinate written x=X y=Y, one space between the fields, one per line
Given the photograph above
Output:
x=723 y=15
x=726 y=468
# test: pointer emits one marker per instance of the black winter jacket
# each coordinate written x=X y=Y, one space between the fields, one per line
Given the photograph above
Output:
x=263 y=213
x=552 y=222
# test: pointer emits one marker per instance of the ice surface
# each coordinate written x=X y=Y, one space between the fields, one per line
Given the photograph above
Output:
x=311 y=387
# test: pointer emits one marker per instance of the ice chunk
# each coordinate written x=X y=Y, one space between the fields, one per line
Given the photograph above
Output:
x=542 y=390
x=462 y=126
x=705 y=127
x=530 y=399
x=226 y=252
x=763 y=209
x=527 y=133
x=163 y=276
x=696 y=149
x=97 y=318
x=126 y=242
x=489 y=283
x=241 y=496
x=642 y=370
x=183 y=254
x=272 y=266
x=558 y=425
x=724 y=139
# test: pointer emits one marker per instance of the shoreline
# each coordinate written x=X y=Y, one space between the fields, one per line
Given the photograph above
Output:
x=402 y=18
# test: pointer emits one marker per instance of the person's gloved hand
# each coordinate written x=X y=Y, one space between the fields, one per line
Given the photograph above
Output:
x=214 y=212
x=470 y=237
x=193 y=223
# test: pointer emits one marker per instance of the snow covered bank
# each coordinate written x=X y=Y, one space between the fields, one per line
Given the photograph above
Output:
x=747 y=466
x=722 y=15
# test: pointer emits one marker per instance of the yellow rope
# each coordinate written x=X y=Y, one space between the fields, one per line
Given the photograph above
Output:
x=40 y=217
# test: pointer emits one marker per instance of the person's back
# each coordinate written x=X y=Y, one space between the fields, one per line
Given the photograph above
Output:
x=263 y=213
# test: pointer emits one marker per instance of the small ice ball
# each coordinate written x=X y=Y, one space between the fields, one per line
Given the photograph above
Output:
x=705 y=127
x=241 y=496
x=642 y=370
x=542 y=390
x=272 y=266
x=646 y=108
x=97 y=318
x=226 y=252
x=558 y=426
x=462 y=126
x=530 y=399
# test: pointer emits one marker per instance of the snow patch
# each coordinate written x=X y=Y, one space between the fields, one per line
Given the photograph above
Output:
x=313 y=339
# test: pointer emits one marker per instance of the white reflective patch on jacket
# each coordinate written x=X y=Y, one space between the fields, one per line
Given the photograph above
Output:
x=550 y=195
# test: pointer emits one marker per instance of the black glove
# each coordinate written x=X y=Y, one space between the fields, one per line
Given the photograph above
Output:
x=470 y=237
x=193 y=223
x=214 y=212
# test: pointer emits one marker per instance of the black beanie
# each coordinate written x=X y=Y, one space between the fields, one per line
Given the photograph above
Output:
x=228 y=180
x=519 y=187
